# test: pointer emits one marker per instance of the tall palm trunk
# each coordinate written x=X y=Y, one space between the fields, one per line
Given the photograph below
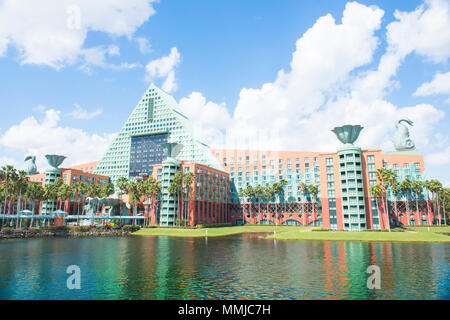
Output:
x=387 y=211
x=439 y=207
x=6 y=201
x=18 y=209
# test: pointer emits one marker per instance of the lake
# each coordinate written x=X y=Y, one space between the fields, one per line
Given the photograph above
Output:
x=234 y=267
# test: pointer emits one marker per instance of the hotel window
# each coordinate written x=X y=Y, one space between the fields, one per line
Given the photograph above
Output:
x=330 y=177
x=406 y=165
x=329 y=161
x=330 y=185
x=329 y=168
x=263 y=156
x=247 y=158
x=280 y=161
x=372 y=182
x=370 y=158
x=371 y=166
x=186 y=169
x=307 y=165
x=297 y=165
x=288 y=160
x=315 y=159
x=306 y=159
x=297 y=159
x=331 y=193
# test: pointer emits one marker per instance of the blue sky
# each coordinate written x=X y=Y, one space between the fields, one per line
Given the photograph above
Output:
x=222 y=47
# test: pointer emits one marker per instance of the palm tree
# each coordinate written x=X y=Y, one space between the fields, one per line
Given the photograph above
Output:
x=154 y=189
x=189 y=178
x=303 y=188
x=385 y=176
x=435 y=187
x=64 y=193
x=406 y=187
x=106 y=190
x=122 y=184
x=251 y=195
x=417 y=188
x=20 y=183
x=7 y=174
x=427 y=186
x=176 y=188
x=313 y=190
x=377 y=191
x=268 y=192
x=134 y=196
x=259 y=194
x=444 y=195
x=396 y=191
x=76 y=189
x=242 y=194
x=35 y=192
x=50 y=193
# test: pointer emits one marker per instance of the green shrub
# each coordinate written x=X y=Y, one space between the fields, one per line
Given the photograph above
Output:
x=82 y=228
x=320 y=229
x=7 y=230
x=131 y=228
x=60 y=228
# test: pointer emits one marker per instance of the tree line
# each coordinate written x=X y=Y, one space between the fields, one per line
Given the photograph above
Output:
x=389 y=188
x=16 y=189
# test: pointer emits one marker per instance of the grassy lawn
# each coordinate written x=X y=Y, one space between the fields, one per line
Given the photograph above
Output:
x=294 y=233
x=432 y=229
x=363 y=236
x=213 y=232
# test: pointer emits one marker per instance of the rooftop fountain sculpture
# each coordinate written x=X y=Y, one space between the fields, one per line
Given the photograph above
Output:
x=55 y=160
x=32 y=168
x=401 y=139
x=348 y=134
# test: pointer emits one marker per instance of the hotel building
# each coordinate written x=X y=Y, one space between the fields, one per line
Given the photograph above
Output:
x=342 y=177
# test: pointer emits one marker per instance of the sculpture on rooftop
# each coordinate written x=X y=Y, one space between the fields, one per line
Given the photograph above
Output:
x=401 y=138
x=32 y=168
x=347 y=134
x=55 y=160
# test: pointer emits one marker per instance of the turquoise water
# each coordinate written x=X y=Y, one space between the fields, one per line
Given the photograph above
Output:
x=235 y=267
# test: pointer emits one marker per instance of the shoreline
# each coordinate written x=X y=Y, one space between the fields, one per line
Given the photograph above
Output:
x=48 y=233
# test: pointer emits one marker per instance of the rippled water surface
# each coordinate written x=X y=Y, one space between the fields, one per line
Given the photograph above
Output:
x=236 y=267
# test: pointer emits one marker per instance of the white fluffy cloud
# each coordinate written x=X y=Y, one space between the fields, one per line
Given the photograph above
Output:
x=53 y=33
x=322 y=89
x=164 y=68
x=210 y=119
x=439 y=158
x=439 y=85
x=425 y=30
x=82 y=114
x=144 y=45
x=47 y=136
